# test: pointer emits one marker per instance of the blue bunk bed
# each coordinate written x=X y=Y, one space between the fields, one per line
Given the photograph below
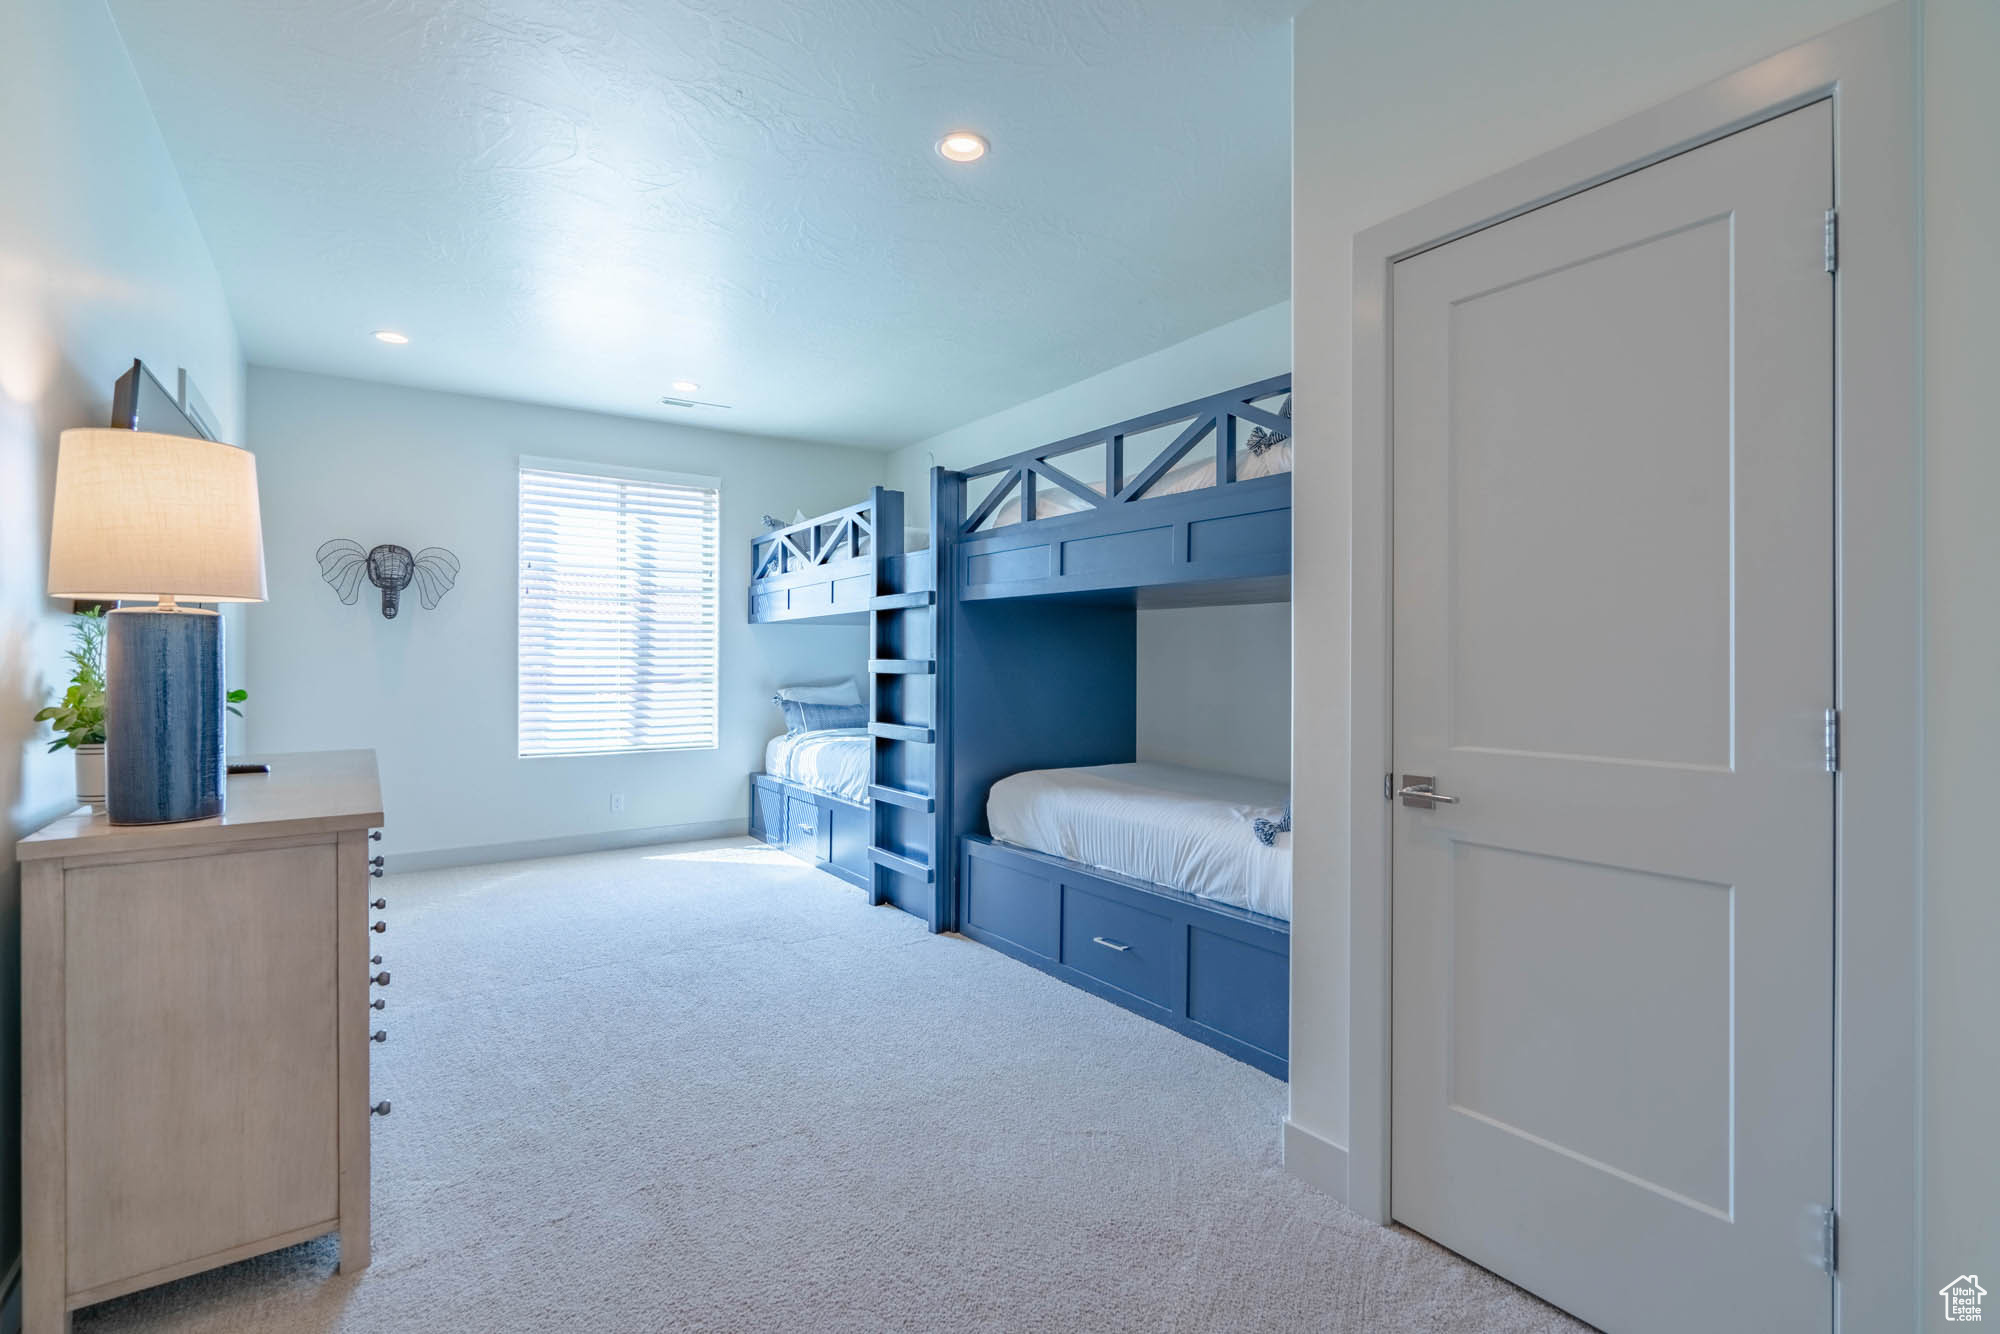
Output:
x=1010 y=645
x=841 y=569
x=824 y=570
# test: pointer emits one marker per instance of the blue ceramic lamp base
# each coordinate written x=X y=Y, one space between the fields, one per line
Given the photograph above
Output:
x=163 y=715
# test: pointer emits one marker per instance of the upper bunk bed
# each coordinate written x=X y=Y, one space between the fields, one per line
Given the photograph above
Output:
x=825 y=568
x=1191 y=503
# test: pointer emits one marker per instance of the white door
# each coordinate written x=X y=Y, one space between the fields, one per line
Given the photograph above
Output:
x=1613 y=957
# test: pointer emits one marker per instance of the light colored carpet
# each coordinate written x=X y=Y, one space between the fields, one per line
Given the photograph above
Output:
x=705 y=1087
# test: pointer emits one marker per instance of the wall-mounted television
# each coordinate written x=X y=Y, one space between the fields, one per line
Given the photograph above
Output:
x=139 y=402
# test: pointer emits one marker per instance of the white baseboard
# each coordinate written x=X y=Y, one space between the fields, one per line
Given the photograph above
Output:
x=1320 y=1163
x=609 y=840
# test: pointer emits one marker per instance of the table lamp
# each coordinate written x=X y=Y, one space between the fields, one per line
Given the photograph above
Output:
x=166 y=517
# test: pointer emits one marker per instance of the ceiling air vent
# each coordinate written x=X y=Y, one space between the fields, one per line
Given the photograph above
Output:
x=673 y=402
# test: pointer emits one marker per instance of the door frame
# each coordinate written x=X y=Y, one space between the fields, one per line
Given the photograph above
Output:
x=1868 y=69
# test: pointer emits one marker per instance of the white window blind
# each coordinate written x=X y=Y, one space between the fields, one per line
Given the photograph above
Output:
x=618 y=609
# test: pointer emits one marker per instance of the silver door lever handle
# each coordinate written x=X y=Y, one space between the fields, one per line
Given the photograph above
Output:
x=1422 y=793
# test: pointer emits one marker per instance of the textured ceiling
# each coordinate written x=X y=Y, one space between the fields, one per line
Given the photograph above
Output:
x=579 y=201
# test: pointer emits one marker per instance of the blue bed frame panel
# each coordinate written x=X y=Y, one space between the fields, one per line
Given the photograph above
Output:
x=1216 y=535
x=830 y=833
x=1216 y=973
x=825 y=568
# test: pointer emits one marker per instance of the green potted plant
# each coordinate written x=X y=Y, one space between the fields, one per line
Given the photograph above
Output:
x=78 y=719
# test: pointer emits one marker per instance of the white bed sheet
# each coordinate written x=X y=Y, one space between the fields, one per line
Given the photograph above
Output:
x=1189 y=829
x=833 y=760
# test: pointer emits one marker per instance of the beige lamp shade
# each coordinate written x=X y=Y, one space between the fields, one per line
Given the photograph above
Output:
x=140 y=515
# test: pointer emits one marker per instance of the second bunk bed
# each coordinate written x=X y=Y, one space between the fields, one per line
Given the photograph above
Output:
x=812 y=797
x=1006 y=799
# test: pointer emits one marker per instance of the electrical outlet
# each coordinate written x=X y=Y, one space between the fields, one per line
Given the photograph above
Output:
x=617 y=803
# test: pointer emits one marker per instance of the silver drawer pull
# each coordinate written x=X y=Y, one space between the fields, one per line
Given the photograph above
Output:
x=379 y=927
x=1110 y=944
x=381 y=1108
x=378 y=1004
x=379 y=1035
x=381 y=979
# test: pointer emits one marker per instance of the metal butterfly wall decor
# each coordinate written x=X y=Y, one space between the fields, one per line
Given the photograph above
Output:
x=390 y=568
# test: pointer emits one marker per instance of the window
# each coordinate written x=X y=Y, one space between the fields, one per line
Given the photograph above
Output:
x=618 y=609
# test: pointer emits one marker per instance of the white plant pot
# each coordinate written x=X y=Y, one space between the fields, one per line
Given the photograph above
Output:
x=90 y=774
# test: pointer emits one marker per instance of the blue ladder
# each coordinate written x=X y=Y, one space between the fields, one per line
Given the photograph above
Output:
x=907 y=865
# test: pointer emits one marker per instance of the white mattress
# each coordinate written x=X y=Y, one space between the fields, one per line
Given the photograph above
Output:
x=1185 y=828
x=833 y=761
x=1051 y=500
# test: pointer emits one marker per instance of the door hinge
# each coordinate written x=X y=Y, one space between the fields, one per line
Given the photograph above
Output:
x=1388 y=787
x=1829 y=1240
x=1833 y=741
x=1832 y=240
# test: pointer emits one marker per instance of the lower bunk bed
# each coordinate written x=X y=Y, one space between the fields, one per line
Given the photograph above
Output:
x=1149 y=886
x=812 y=800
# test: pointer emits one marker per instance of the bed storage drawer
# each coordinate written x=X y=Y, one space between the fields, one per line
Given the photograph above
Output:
x=767 y=809
x=803 y=835
x=1123 y=945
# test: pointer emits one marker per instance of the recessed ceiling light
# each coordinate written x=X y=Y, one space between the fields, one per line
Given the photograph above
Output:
x=391 y=336
x=962 y=146
x=686 y=387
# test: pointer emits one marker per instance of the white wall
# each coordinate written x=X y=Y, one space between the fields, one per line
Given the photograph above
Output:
x=1215 y=689
x=1962 y=696
x=1214 y=682
x=100 y=262
x=433 y=692
x=1400 y=101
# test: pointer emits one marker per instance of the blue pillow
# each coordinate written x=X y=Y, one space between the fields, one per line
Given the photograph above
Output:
x=801 y=716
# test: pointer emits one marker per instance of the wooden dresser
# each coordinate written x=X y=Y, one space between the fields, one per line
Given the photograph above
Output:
x=195 y=1007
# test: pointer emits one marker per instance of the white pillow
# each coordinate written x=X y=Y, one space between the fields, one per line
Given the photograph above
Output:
x=840 y=692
